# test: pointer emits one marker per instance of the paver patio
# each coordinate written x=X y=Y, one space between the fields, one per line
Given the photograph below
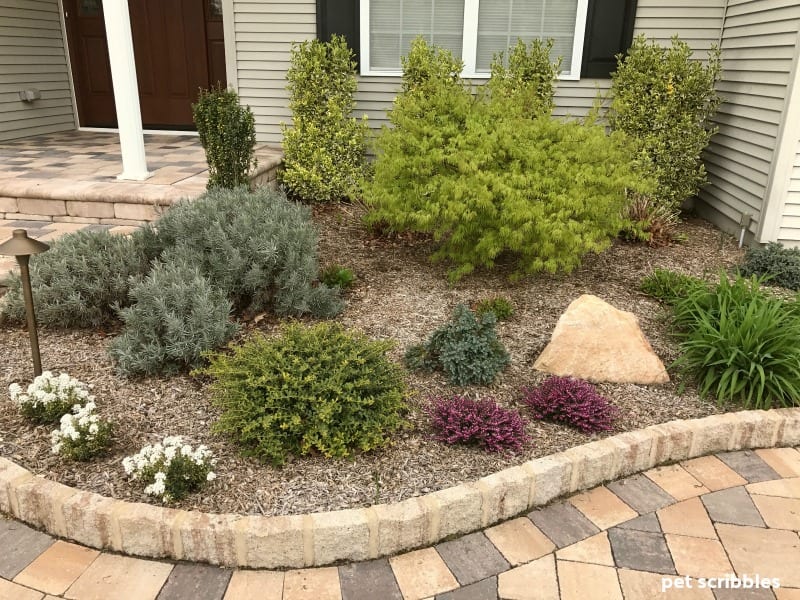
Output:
x=747 y=527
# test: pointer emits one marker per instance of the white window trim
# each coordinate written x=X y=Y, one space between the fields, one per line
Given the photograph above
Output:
x=470 y=43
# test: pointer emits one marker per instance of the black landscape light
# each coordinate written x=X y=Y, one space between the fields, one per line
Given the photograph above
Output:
x=21 y=247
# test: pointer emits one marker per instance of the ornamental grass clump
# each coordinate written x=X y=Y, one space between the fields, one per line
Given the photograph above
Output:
x=466 y=349
x=171 y=469
x=82 y=434
x=573 y=402
x=740 y=344
x=461 y=420
x=671 y=286
x=49 y=396
x=312 y=389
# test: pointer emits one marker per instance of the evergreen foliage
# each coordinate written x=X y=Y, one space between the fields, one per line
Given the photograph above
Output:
x=528 y=80
x=79 y=281
x=500 y=306
x=228 y=134
x=324 y=152
x=664 y=99
x=466 y=349
x=574 y=402
x=317 y=388
x=257 y=247
x=485 y=180
x=461 y=420
x=337 y=276
x=176 y=315
x=779 y=264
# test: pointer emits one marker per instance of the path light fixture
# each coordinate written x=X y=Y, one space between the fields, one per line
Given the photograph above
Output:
x=21 y=247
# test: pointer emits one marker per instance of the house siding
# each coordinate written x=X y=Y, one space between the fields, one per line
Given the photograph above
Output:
x=758 y=50
x=789 y=232
x=264 y=32
x=33 y=55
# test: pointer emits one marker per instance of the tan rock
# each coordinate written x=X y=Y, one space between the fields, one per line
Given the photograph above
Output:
x=595 y=341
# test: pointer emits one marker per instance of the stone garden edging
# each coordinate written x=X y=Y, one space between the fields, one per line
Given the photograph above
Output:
x=365 y=533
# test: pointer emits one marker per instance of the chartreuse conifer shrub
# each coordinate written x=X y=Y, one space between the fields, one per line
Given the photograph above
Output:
x=80 y=280
x=664 y=99
x=176 y=316
x=313 y=388
x=740 y=343
x=228 y=134
x=467 y=349
x=324 y=151
x=486 y=180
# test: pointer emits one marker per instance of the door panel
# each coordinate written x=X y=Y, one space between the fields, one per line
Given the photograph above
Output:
x=176 y=44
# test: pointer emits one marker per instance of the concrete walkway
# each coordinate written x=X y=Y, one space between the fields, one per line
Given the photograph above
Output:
x=722 y=527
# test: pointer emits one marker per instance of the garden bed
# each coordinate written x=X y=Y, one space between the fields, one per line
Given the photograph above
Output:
x=398 y=295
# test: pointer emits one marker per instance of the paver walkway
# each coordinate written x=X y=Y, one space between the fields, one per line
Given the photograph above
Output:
x=696 y=530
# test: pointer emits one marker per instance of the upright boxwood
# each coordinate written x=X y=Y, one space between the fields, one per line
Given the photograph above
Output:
x=228 y=135
x=324 y=153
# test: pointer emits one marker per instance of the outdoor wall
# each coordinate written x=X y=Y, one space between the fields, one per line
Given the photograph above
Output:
x=789 y=232
x=758 y=49
x=264 y=32
x=32 y=55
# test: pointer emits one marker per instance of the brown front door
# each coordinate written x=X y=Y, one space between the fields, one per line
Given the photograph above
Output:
x=177 y=45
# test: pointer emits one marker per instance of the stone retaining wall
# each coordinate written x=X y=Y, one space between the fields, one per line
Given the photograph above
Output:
x=358 y=534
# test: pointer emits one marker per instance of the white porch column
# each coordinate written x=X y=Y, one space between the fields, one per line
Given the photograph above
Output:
x=126 y=89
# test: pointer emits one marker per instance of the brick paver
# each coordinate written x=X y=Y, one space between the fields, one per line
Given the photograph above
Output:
x=784 y=461
x=577 y=548
x=749 y=465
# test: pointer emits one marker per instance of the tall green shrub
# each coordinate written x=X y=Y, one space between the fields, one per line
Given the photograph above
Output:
x=228 y=135
x=528 y=80
x=664 y=99
x=324 y=152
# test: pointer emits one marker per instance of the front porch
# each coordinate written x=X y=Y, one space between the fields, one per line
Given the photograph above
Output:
x=71 y=177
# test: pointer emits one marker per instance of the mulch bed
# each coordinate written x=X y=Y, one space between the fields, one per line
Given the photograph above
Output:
x=398 y=294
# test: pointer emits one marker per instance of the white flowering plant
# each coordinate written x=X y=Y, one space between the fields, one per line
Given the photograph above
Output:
x=171 y=469
x=82 y=434
x=49 y=396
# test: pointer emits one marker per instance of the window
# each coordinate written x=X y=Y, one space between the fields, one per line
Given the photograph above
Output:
x=475 y=30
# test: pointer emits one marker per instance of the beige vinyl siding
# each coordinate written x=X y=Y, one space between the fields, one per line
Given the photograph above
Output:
x=265 y=30
x=758 y=48
x=789 y=232
x=32 y=55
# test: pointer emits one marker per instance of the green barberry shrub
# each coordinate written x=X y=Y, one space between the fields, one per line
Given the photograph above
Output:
x=466 y=349
x=324 y=152
x=664 y=99
x=81 y=278
x=740 y=343
x=337 y=276
x=317 y=388
x=671 y=286
x=485 y=180
x=528 y=80
x=257 y=247
x=781 y=265
x=175 y=317
x=500 y=306
x=228 y=134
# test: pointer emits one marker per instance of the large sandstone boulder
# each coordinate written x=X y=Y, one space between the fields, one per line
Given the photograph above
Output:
x=595 y=341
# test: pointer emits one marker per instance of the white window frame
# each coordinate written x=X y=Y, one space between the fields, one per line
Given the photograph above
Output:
x=469 y=47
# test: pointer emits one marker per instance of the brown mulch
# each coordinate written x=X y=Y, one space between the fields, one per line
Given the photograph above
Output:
x=399 y=295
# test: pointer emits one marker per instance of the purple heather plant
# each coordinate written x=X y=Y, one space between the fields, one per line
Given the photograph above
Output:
x=463 y=420
x=571 y=401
